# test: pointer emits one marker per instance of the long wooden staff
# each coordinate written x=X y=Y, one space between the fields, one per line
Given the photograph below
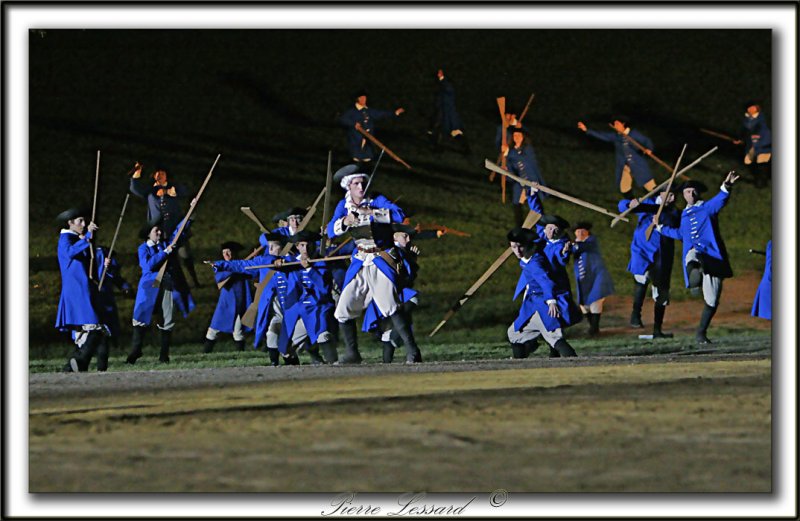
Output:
x=94 y=208
x=643 y=149
x=525 y=110
x=726 y=137
x=326 y=205
x=114 y=240
x=580 y=202
x=501 y=105
x=649 y=230
x=530 y=220
x=662 y=185
x=249 y=317
x=295 y=263
x=340 y=245
x=380 y=145
x=251 y=214
x=196 y=200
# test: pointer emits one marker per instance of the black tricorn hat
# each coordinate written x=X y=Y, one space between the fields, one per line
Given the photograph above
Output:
x=360 y=92
x=144 y=231
x=406 y=228
x=749 y=103
x=284 y=215
x=276 y=237
x=68 y=215
x=231 y=245
x=625 y=120
x=305 y=236
x=697 y=185
x=554 y=219
x=522 y=235
x=582 y=225
x=521 y=130
x=346 y=171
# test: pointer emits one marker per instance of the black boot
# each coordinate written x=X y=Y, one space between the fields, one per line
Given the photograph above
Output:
x=136 y=344
x=291 y=359
x=462 y=140
x=554 y=352
x=564 y=349
x=208 y=345
x=351 y=354
x=274 y=357
x=594 y=324
x=388 y=352
x=705 y=320
x=102 y=354
x=239 y=344
x=531 y=346
x=658 y=320
x=188 y=263
x=402 y=325
x=519 y=351
x=166 y=339
x=329 y=351
x=639 y=292
x=695 y=273
x=89 y=349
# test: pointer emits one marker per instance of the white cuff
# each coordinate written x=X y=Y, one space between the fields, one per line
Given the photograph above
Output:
x=338 y=227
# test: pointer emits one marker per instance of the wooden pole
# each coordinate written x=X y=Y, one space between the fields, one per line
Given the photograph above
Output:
x=295 y=263
x=662 y=185
x=643 y=149
x=527 y=106
x=114 y=240
x=649 y=230
x=532 y=219
x=255 y=252
x=252 y=215
x=94 y=208
x=719 y=135
x=196 y=200
x=380 y=145
x=326 y=205
x=580 y=202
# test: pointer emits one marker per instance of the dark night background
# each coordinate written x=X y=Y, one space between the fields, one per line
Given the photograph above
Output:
x=268 y=101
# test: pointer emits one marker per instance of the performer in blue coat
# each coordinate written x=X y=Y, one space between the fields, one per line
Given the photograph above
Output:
x=593 y=281
x=164 y=200
x=107 y=302
x=172 y=293
x=631 y=162
x=521 y=161
x=361 y=116
x=542 y=305
x=445 y=119
x=234 y=299
x=651 y=260
x=372 y=275
x=404 y=255
x=757 y=140
x=308 y=323
x=78 y=303
x=288 y=222
x=280 y=293
x=705 y=259
x=762 y=304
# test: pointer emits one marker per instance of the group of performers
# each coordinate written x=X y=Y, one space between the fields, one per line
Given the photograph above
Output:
x=307 y=299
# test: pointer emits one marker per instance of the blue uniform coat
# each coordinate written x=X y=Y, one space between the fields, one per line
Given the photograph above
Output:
x=234 y=299
x=762 y=305
x=408 y=269
x=76 y=305
x=756 y=134
x=627 y=153
x=106 y=302
x=657 y=254
x=536 y=278
x=165 y=209
x=699 y=229
x=592 y=278
x=358 y=146
x=314 y=305
x=446 y=116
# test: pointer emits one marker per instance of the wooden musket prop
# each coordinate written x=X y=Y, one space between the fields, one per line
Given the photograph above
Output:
x=530 y=220
x=643 y=149
x=326 y=205
x=94 y=207
x=157 y=282
x=757 y=252
x=525 y=110
x=255 y=252
x=380 y=145
x=726 y=137
x=662 y=185
x=501 y=104
x=295 y=263
x=340 y=245
x=249 y=317
x=114 y=240
x=649 y=230
x=580 y=202
x=252 y=215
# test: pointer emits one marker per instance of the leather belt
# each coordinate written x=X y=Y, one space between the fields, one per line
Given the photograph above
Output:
x=369 y=250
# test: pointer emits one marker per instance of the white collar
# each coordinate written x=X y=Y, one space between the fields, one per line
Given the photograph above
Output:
x=65 y=230
x=698 y=203
x=526 y=260
x=150 y=243
x=360 y=107
x=348 y=201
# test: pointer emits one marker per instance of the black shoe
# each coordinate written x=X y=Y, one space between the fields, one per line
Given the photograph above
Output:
x=518 y=351
x=239 y=345
x=657 y=333
x=291 y=360
x=274 y=357
x=388 y=352
x=564 y=349
x=636 y=320
x=208 y=345
x=554 y=353
x=702 y=339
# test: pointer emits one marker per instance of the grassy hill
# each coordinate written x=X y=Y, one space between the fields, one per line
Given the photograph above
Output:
x=268 y=102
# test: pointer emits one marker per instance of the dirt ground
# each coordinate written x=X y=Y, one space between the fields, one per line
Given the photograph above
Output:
x=658 y=423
